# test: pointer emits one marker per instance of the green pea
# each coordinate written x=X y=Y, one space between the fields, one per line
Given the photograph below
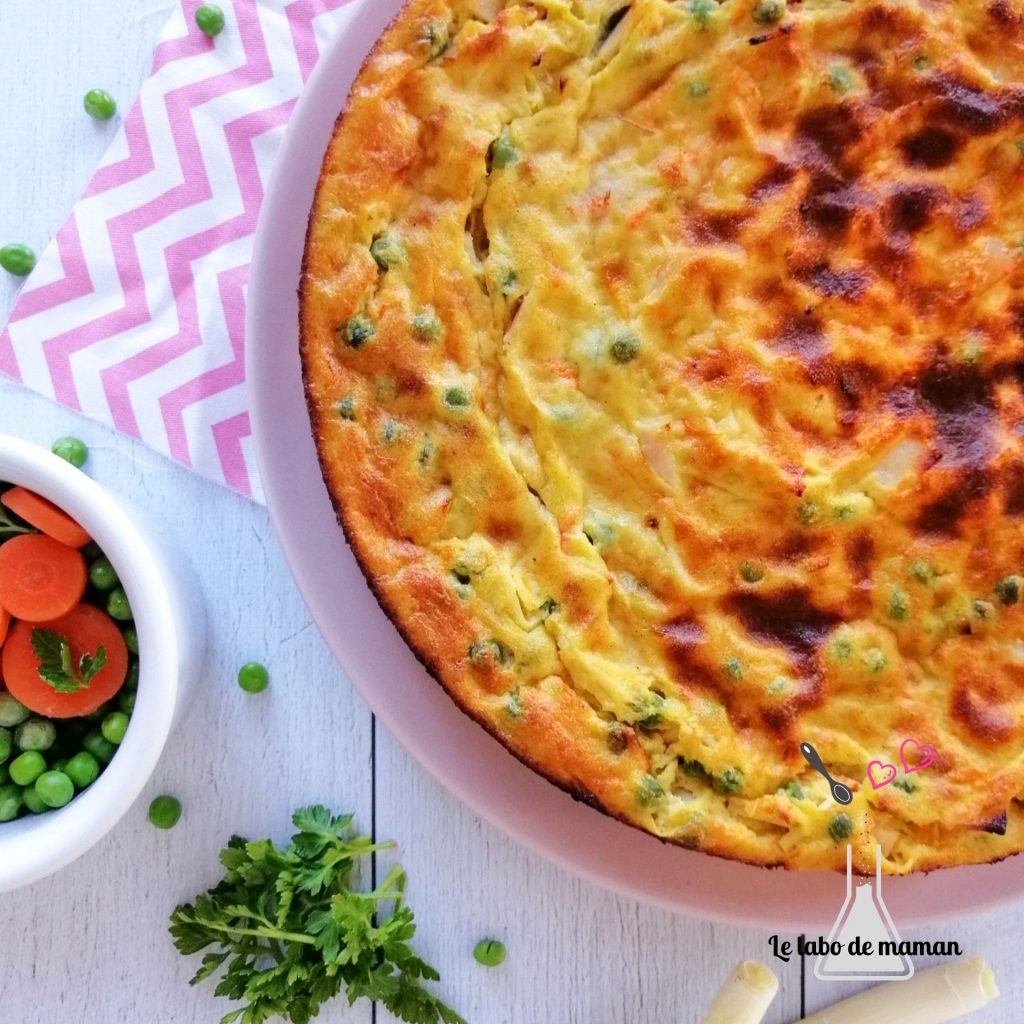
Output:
x=899 y=604
x=694 y=769
x=83 y=769
x=698 y=90
x=118 y=606
x=702 y=11
x=650 y=710
x=165 y=811
x=840 y=827
x=114 y=726
x=347 y=408
x=793 y=790
x=5 y=744
x=808 y=512
x=35 y=734
x=387 y=250
x=54 y=789
x=31 y=799
x=649 y=792
x=875 y=659
x=99 y=104
x=131 y=639
x=625 y=347
x=922 y=571
x=426 y=325
x=767 y=12
x=905 y=784
x=99 y=746
x=489 y=953
x=490 y=650
x=1008 y=590
x=437 y=38
x=504 y=152
x=126 y=701
x=71 y=449
x=27 y=767
x=210 y=19
x=730 y=781
x=358 y=331
x=751 y=573
x=253 y=677
x=733 y=668
x=922 y=62
x=17 y=259
x=456 y=398
x=618 y=738
x=10 y=802
x=841 y=79
x=842 y=649
x=12 y=712
x=102 y=574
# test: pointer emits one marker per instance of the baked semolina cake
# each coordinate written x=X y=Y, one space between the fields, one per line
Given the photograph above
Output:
x=664 y=361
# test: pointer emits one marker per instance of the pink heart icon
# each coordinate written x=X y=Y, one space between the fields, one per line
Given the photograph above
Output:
x=887 y=772
x=927 y=755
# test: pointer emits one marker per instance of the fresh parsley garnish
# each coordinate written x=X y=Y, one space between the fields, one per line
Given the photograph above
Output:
x=57 y=666
x=291 y=932
x=10 y=526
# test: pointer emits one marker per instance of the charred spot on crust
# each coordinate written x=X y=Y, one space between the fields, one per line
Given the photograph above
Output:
x=771 y=183
x=1001 y=12
x=968 y=107
x=854 y=380
x=996 y=825
x=831 y=131
x=1013 y=488
x=786 y=618
x=986 y=722
x=684 y=641
x=829 y=204
x=911 y=207
x=837 y=284
x=930 y=148
x=860 y=554
x=715 y=228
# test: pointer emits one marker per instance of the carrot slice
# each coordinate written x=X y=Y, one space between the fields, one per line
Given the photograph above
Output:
x=87 y=629
x=40 y=578
x=45 y=516
x=5 y=622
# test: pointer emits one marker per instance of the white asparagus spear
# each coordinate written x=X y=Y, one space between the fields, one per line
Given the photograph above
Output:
x=745 y=997
x=929 y=997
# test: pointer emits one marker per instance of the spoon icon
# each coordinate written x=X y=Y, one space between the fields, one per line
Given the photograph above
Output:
x=840 y=793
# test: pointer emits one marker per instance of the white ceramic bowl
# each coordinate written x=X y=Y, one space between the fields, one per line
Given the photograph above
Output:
x=165 y=603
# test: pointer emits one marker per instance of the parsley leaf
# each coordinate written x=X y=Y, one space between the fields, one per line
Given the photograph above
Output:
x=12 y=526
x=289 y=931
x=57 y=666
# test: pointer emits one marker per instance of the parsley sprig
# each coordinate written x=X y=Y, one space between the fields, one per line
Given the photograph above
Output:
x=57 y=667
x=11 y=526
x=291 y=932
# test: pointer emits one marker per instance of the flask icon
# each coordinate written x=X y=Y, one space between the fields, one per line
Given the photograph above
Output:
x=864 y=918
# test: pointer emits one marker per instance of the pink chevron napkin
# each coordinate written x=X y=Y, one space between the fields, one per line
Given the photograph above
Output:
x=135 y=314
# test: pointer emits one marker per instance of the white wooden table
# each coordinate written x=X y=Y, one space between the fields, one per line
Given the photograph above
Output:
x=90 y=946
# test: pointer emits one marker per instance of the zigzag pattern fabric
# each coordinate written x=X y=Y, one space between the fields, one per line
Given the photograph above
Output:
x=135 y=314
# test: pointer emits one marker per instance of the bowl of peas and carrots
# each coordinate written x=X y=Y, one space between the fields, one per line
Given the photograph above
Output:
x=100 y=632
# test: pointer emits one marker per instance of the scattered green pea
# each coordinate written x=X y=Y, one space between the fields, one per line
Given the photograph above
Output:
x=489 y=953
x=118 y=606
x=17 y=259
x=12 y=712
x=358 y=331
x=35 y=734
x=840 y=827
x=387 y=250
x=489 y=650
x=922 y=571
x=841 y=79
x=253 y=677
x=32 y=800
x=751 y=573
x=649 y=791
x=733 y=668
x=793 y=790
x=875 y=659
x=702 y=11
x=899 y=604
x=71 y=449
x=54 y=789
x=27 y=767
x=210 y=19
x=504 y=152
x=907 y=785
x=426 y=325
x=10 y=802
x=83 y=769
x=437 y=38
x=114 y=726
x=625 y=347
x=808 y=512
x=98 y=103
x=102 y=574
x=730 y=781
x=767 y=12
x=650 y=710
x=1008 y=590
x=698 y=90
x=99 y=746
x=347 y=408
x=456 y=398
x=165 y=811
x=842 y=649
x=131 y=639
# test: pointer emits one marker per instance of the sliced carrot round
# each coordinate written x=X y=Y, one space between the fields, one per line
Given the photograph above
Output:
x=40 y=578
x=87 y=629
x=5 y=622
x=45 y=516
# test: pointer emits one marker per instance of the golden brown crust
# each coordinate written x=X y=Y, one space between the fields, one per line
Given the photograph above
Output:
x=665 y=372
